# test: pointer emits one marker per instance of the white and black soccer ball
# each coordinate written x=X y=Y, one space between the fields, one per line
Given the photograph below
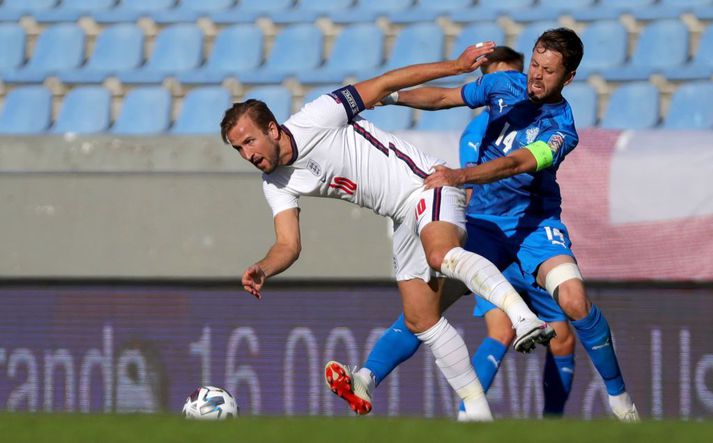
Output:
x=210 y=403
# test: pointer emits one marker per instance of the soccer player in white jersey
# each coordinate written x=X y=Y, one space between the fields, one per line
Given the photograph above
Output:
x=327 y=150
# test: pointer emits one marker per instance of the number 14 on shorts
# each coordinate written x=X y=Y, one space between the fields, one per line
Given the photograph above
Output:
x=555 y=236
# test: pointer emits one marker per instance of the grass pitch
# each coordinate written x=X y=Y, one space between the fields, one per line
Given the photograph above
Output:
x=157 y=428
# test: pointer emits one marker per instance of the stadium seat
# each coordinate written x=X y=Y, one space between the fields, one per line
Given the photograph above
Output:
x=117 y=49
x=429 y=10
x=191 y=10
x=278 y=98
x=582 y=99
x=701 y=67
x=144 y=111
x=178 y=48
x=370 y=10
x=58 y=48
x=72 y=10
x=633 y=105
x=668 y=37
x=390 y=118
x=247 y=11
x=489 y=10
x=12 y=42
x=547 y=9
x=236 y=49
x=309 y=10
x=453 y=119
x=296 y=48
x=357 y=48
x=319 y=90
x=13 y=10
x=474 y=33
x=668 y=9
x=201 y=111
x=609 y=9
x=528 y=36
x=605 y=44
x=132 y=10
x=85 y=110
x=26 y=110
x=691 y=108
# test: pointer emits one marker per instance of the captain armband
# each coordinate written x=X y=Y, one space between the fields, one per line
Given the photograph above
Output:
x=542 y=153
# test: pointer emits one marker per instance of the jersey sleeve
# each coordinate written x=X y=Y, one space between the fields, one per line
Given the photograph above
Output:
x=332 y=110
x=475 y=94
x=560 y=141
x=278 y=198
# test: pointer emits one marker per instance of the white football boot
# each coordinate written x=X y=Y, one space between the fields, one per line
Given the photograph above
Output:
x=624 y=408
x=530 y=332
x=353 y=387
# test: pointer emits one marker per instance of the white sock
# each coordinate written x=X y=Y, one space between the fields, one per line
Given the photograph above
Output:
x=484 y=279
x=453 y=360
x=368 y=377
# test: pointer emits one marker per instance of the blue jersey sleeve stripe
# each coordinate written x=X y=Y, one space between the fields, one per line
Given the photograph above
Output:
x=350 y=99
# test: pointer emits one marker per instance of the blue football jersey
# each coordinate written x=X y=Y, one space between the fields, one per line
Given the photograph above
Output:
x=515 y=122
x=470 y=140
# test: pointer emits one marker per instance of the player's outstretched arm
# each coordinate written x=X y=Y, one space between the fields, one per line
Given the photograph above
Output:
x=518 y=162
x=281 y=255
x=373 y=90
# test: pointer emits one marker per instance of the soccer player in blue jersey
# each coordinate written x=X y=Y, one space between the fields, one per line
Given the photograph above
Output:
x=514 y=211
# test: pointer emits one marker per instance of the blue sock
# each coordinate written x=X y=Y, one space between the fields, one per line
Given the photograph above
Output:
x=486 y=360
x=595 y=335
x=557 y=382
x=396 y=345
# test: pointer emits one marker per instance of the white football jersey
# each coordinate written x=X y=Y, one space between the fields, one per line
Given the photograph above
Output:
x=337 y=154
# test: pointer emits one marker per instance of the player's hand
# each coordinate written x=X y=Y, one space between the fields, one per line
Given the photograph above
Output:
x=474 y=55
x=443 y=176
x=253 y=279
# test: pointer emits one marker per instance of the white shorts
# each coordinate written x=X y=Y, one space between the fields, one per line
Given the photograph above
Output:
x=441 y=204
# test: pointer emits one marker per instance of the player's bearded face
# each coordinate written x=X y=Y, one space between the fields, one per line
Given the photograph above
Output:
x=259 y=147
x=546 y=76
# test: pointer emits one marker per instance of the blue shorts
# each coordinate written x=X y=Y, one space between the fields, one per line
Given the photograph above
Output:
x=518 y=246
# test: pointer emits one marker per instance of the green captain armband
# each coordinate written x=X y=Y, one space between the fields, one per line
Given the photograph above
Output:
x=542 y=153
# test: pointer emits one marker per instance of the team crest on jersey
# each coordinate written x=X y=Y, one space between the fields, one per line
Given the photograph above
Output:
x=556 y=141
x=531 y=134
x=314 y=168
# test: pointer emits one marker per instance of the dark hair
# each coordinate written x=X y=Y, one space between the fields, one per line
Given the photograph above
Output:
x=504 y=54
x=566 y=42
x=256 y=109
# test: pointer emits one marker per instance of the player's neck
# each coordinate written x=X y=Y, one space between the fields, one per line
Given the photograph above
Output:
x=285 y=144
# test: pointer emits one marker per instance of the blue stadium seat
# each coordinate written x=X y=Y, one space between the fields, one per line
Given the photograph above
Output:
x=178 y=48
x=202 y=110
x=117 y=49
x=453 y=119
x=703 y=13
x=144 y=111
x=132 y=10
x=26 y=110
x=85 y=110
x=12 y=42
x=474 y=33
x=390 y=118
x=429 y=10
x=605 y=44
x=633 y=105
x=690 y=107
x=236 y=49
x=296 y=48
x=191 y=10
x=528 y=36
x=359 y=47
x=609 y=9
x=548 y=9
x=59 y=47
x=701 y=67
x=13 y=10
x=320 y=90
x=370 y=10
x=247 y=11
x=488 y=10
x=72 y=10
x=668 y=9
x=278 y=98
x=309 y=10
x=668 y=37
x=582 y=99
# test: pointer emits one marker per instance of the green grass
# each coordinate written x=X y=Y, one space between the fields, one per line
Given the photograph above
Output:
x=157 y=428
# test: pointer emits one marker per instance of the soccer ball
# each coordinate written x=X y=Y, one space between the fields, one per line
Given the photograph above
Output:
x=210 y=403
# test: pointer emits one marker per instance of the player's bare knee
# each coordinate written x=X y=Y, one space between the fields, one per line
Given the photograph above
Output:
x=435 y=258
x=574 y=303
x=504 y=335
x=563 y=343
x=419 y=323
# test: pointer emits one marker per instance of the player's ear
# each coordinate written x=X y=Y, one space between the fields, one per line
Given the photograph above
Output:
x=569 y=77
x=273 y=130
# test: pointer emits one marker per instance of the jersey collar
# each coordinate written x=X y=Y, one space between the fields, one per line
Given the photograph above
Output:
x=292 y=142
